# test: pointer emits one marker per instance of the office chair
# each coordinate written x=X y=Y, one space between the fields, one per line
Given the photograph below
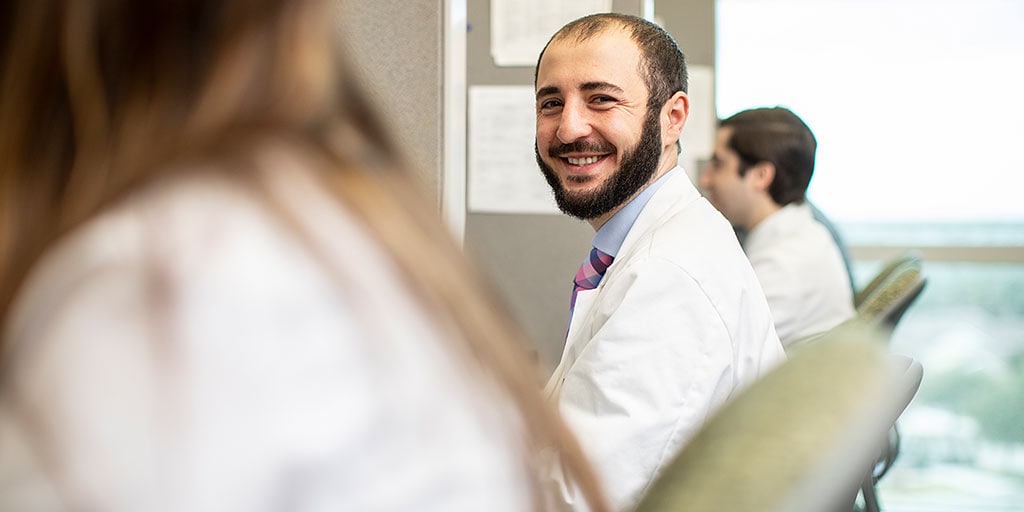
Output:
x=883 y=303
x=909 y=382
x=800 y=439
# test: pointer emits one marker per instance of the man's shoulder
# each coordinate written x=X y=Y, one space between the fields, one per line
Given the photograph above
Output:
x=694 y=240
x=790 y=231
x=693 y=227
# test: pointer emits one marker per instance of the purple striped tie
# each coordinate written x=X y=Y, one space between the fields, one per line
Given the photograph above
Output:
x=589 y=274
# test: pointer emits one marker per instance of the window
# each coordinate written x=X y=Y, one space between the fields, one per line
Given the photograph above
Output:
x=917 y=109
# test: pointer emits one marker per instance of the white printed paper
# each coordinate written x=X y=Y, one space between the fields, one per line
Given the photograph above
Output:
x=521 y=28
x=502 y=168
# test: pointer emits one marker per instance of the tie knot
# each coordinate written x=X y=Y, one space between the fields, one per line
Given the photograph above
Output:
x=592 y=270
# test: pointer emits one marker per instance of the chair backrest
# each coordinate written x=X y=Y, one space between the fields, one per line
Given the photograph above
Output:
x=907 y=386
x=800 y=439
x=889 y=297
x=909 y=258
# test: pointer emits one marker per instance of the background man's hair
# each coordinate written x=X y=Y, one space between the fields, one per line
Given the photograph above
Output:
x=778 y=136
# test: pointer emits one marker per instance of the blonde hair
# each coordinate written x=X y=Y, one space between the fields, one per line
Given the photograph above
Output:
x=86 y=87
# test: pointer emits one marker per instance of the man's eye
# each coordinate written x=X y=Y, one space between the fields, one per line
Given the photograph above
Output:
x=603 y=99
x=549 y=104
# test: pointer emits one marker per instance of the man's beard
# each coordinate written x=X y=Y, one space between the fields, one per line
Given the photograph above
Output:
x=638 y=166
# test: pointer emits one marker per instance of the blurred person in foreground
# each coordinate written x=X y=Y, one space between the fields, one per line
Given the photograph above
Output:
x=219 y=290
x=758 y=177
x=668 y=321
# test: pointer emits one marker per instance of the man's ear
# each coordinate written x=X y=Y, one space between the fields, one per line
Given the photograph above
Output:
x=762 y=175
x=673 y=117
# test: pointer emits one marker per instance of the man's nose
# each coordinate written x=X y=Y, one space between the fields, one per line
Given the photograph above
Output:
x=574 y=123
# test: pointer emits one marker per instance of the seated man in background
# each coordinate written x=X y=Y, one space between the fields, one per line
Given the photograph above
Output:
x=758 y=178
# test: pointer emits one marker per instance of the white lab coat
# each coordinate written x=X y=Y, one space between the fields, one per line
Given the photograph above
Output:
x=187 y=350
x=801 y=271
x=677 y=325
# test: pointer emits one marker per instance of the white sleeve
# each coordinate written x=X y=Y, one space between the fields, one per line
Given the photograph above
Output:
x=241 y=377
x=80 y=397
x=805 y=284
x=783 y=284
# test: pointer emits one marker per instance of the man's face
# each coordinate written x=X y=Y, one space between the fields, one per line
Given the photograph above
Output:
x=721 y=182
x=597 y=144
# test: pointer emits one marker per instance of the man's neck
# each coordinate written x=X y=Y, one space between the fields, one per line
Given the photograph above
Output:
x=761 y=212
x=669 y=160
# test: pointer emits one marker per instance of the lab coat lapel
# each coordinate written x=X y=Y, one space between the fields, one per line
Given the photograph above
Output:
x=574 y=340
x=674 y=195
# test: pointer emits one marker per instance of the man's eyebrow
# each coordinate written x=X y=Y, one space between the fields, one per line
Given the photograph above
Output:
x=607 y=86
x=544 y=91
x=587 y=86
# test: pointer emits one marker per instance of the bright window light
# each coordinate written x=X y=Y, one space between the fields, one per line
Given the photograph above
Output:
x=917 y=104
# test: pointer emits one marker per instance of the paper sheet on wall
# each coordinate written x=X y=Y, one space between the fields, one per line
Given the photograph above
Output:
x=521 y=28
x=698 y=137
x=503 y=173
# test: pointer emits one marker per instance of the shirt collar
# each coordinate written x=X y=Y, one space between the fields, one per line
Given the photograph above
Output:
x=609 y=238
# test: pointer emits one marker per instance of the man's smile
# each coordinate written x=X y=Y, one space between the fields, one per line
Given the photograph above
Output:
x=583 y=160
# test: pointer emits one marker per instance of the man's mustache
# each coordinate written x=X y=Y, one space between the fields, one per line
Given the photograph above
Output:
x=580 y=146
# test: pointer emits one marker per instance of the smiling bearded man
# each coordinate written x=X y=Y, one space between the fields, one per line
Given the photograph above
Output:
x=667 y=319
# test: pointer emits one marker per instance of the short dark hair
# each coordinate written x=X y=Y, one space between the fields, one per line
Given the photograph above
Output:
x=778 y=136
x=663 y=64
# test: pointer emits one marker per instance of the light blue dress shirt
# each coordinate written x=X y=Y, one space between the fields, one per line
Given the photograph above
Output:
x=609 y=238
